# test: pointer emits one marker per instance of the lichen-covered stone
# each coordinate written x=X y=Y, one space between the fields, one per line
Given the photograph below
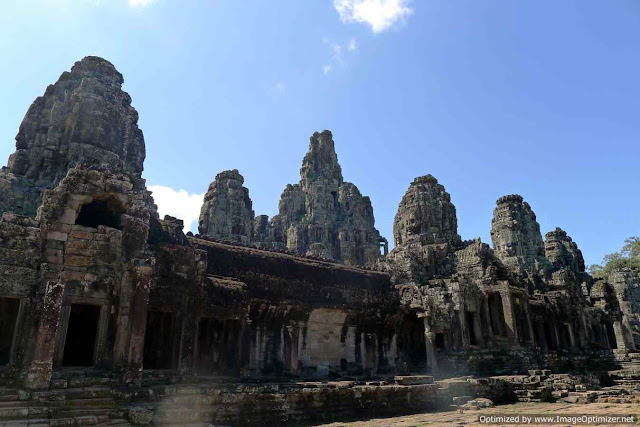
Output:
x=227 y=212
x=323 y=216
x=425 y=232
x=515 y=234
x=426 y=215
x=85 y=117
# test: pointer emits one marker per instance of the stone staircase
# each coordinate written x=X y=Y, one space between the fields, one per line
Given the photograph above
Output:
x=70 y=402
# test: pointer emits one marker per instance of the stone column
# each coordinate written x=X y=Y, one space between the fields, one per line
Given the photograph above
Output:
x=39 y=374
x=123 y=323
x=509 y=317
x=464 y=333
x=572 y=339
x=487 y=320
x=477 y=329
x=556 y=336
x=532 y=337
x=143 y=278
x=620 y=341
x=188 y=339
x=429 y=338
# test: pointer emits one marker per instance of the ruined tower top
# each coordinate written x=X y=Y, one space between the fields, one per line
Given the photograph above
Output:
x=562 y=252
x=321 y=162
x=426 y=214
x=227 y=212
x=85 y=117
x=515 y=234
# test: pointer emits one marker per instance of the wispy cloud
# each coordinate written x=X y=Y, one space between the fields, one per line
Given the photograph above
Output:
x=179 y=204
x=338 y=53
x=379 y=14
x=280 y=87
x=140 y=3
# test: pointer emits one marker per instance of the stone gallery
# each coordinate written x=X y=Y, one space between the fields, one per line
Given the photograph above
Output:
x=110 y=315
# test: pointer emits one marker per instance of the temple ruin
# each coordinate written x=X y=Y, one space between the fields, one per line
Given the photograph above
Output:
x=302 y=317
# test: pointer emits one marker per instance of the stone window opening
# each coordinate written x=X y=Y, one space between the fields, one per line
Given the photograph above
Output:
x=9 y=308
x=107 y=212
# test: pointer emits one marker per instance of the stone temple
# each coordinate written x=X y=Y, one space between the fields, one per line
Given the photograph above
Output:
x=110 y=315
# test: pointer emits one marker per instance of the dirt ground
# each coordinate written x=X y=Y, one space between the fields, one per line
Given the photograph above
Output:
x=471 y=417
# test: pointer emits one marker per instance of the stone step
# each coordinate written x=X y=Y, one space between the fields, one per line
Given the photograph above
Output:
x=8 y=391
x=115 y=422
x=17 y=413
x=95 y=392
x=15 y=404
x=9 y=398
x=93 y=403
x=84 y=412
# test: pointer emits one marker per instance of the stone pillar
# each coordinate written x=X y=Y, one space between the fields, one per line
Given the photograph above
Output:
x=488 y=337
x=429 y=338
x=572 y=339
x=464 y=333
x=39 y=374
x=293 y=356
x=509 y=317
x=532 y=337
x=556 y=336
x=188 y=339
x=477 y=329
x=123 y=323
x=620 y=339
x=143 y=278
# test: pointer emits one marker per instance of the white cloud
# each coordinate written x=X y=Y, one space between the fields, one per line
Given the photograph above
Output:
x=379 y=14
x=337 y=52
x=326 y=69
x=353 y=45
x=179 y=204
x=280 y=87
x=140 y=3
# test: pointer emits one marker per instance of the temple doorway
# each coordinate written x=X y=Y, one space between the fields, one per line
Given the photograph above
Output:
x=79 y=344
x=8 y=316
x=158 y=340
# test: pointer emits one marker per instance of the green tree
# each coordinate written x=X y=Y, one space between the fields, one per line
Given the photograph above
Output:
x=627 y=258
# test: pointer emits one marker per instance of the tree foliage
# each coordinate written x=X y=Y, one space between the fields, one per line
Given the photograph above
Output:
x=627 y=258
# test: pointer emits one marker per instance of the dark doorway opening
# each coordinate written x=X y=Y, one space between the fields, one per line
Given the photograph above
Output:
x=8 y=317
x=218 y=346
x=471 y=327
x=439 y=341
x=79 y=345
x=411 y=343
x=158 y=340
x=550 y=335
x=107 y=212
x=496 y=314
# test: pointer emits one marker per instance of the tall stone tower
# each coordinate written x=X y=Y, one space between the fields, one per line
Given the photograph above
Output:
x=85 y=117
x=227 y=212
x=515 y=234
x=324 y=216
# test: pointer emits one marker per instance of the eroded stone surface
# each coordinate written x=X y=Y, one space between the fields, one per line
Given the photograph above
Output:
x=84 y=117
x=227 y=212
x=323 y=216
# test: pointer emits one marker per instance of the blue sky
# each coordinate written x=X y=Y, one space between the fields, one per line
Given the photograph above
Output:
x=492 y=97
